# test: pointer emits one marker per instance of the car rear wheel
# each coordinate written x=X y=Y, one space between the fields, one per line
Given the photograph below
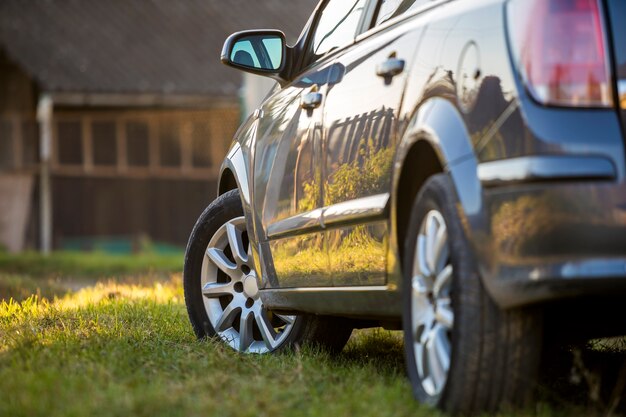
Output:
x=463 y=353
x=222 y=294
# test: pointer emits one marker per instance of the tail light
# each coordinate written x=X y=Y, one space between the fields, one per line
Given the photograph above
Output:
x=560 y=48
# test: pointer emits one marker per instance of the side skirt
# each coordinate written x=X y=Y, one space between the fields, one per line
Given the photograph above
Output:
x=376 y=302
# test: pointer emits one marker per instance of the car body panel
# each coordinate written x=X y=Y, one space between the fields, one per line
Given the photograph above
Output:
x=542 y=190
x=287 y=182
x=361 y=129
x=616 y=18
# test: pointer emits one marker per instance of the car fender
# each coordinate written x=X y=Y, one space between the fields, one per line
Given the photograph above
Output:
x=235 y=163
x=438 y=122
x=237 y=166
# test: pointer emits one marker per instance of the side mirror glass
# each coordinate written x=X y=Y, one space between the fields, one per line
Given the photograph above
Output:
x=259 y=52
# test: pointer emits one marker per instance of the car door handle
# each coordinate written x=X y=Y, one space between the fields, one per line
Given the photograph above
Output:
x=311 y=100
x=390 y=68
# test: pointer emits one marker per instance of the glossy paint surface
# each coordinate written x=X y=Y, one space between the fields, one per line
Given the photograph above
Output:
x=360 y=118
x=617 y=17
x=542 y=190
x=357 y=254
x=287 y=175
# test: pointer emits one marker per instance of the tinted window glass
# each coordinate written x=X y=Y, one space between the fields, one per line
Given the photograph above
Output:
x=337 y=25
x=392 y=8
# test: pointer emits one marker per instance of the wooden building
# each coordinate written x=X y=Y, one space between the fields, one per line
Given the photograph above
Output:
x=115 y=116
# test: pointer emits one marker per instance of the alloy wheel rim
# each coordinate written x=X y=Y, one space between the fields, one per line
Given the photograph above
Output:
x=231 y=294
x=431 y=306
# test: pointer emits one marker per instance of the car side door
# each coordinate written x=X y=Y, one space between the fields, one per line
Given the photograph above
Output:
x=288 y=159
x=360 y=134
x=287 y=183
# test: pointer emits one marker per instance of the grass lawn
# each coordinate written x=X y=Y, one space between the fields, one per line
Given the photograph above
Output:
x=30 y=273
x=124 y=347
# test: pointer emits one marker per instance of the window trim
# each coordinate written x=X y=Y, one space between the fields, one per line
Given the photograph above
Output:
x=362 y=32
x=398 y=19
x=367 y=20
x=311 y=33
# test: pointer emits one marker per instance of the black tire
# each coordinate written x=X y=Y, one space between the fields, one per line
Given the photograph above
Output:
x=328 y=333
x=494 y=354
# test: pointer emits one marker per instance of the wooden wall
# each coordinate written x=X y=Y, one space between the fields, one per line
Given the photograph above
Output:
x=116 y=172
x=164 y=210
x=136 y=172
x=18 y=156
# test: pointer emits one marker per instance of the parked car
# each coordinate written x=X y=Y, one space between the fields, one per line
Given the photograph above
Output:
x=452 y=168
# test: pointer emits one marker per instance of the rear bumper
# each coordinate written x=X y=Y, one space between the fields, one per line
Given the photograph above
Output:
x=553 y=239
x=516 y=286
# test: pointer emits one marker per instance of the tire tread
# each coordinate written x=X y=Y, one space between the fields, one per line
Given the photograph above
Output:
x=496 y=353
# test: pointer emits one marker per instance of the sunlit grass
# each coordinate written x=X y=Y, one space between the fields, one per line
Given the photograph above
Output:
x=122 y=345
x=119 y=349
x=62 y=272
x=128 y=349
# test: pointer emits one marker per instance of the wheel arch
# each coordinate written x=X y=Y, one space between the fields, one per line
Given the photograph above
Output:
x=226 y=182
x=435 y=141
x=421 y=163
x=234 y=174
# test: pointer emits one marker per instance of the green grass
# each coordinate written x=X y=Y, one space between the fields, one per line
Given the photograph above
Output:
x=125 y=347
x=89 y=264
x=122 y=349
x=58 y=274
x=21 y=287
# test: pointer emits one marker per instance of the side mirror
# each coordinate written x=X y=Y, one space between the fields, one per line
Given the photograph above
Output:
x=260 y=52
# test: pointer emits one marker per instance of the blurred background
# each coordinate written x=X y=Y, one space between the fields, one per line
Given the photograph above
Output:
x=115 y=116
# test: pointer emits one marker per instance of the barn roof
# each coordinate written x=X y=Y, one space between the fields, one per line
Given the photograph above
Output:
x=137 y=46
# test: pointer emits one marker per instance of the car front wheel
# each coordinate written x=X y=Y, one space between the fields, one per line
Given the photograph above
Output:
x=222 y=293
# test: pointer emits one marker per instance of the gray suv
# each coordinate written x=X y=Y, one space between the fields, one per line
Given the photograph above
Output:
x=451 y=168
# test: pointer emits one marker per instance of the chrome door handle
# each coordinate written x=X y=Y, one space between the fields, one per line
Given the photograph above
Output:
x=311 y=101
x=390 y=68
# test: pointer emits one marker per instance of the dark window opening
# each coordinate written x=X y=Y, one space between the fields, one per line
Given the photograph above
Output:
x=30 y=143
x=7 y=150
x=103 y=136
x=201 y=145
x=169 y=144
x=138 y=144
x=69 y=143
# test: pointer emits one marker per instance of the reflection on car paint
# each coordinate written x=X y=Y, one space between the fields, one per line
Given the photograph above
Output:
x=301 y=261
x=357 y=254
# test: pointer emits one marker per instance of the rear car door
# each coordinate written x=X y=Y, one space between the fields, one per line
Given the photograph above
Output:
x=360 y=127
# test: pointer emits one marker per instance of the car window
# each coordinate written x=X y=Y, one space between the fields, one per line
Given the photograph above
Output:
x=337 y=25
x=392 y=8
